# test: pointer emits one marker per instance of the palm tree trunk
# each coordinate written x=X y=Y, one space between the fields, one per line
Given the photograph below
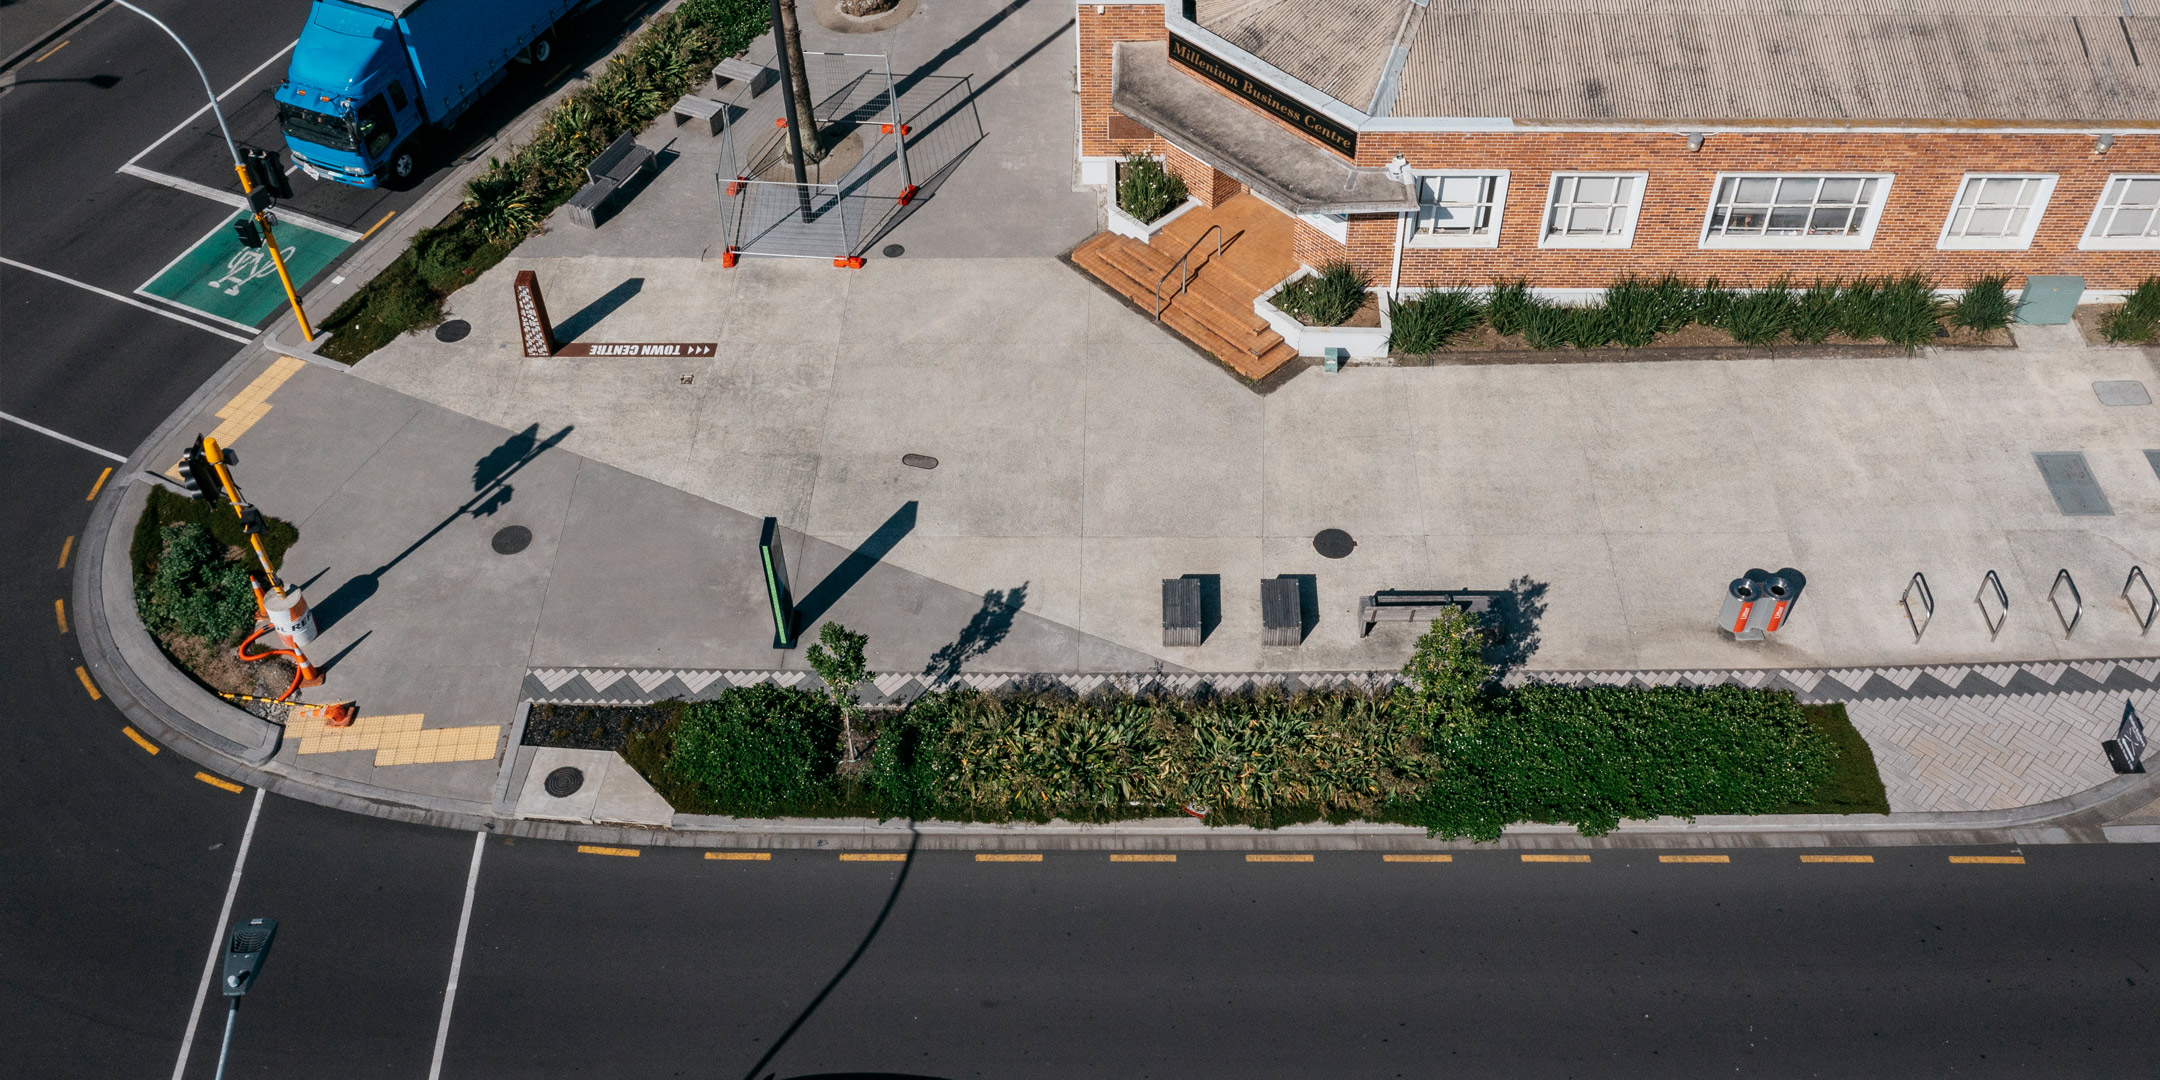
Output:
x=813 y=146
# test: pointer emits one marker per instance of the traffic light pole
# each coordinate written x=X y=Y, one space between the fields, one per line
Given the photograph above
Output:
x=262 y=220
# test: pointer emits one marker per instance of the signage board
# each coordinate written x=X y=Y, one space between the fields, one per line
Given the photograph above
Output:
x=1331 y=133
x=537 y=333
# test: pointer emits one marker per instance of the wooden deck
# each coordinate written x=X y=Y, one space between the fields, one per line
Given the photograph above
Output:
x=1215 y=310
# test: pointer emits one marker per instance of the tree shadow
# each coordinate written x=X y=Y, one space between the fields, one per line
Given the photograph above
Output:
x=983 y=632
x=858 y=563
x=892 y=898
x=1516 y=612
x=1210 y=602
x=585 y=318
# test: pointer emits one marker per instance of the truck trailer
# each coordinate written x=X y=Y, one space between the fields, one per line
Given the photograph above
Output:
x=368 y=77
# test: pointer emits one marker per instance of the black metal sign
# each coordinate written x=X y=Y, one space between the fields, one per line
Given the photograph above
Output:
x=2131 y=735
x=1335 y=136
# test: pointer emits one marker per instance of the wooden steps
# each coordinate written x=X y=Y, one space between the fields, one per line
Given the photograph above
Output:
x=1214 y=312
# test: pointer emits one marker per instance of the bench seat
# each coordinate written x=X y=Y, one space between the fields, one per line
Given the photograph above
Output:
x=1401 y=605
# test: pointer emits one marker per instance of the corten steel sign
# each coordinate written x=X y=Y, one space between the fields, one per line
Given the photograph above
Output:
x=537 y=334
x=1335 y=136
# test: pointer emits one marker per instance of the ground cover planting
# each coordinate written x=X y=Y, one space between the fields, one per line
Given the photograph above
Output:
x=2137 y=320
x=1146 y=190
x=191 y=564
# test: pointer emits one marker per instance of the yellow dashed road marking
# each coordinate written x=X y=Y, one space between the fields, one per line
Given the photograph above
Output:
x=1694 y=858
x=52 y=50
x=1556 y=858
x=248 y=406
x=1990 y=860
x=146 y=744
x=84 y=674
x=872 y=856
x=595 y=849
x=1143 y=858
x=1278 y=858
x=1417 y=858
x=59 y=610
x=100 y=485
x=1837 y=858
x=65 y=547
x=740 y=856
x=371 y=229
x=219 y=782
x=1010 y=857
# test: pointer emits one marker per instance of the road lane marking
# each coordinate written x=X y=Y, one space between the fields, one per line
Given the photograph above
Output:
x=1278 y=858
x=197 y=114
x=68 y=439
x=131 y=302
x=620 y=852
x=59 y=610
x=740 y=856
x=238 y=202
x=1143 y=858
x=1032 y=856
x=457 y=957
x=66 y=546
x=147 y=745
x=1556 y=858
x=219 y=782
x=100 y=485
x=84 y=674
x=1695 y=858
x=51 y=51
x=371 y=229
x=217 y=935
x=1417 y=858
x=1838 y=858
x=1989 y=860
x=872 y=856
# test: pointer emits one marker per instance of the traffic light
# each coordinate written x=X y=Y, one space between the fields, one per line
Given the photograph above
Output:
x=250 y=236
x=266 y=172
x=197 y=475
x=245 y=952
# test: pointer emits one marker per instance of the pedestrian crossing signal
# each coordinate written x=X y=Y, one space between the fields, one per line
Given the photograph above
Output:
x=250 y=236
x=198 y=476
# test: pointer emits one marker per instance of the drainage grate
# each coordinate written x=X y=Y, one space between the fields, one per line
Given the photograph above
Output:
x=918 y=461
x=564 y=782
x=2071 y=482
x=454 y=330
x=2121 y=392
x=511 y=540
x=1334 y=543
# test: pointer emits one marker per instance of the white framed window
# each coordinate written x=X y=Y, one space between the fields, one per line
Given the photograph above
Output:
x=1995 y=212
x=1459 y=209
x=1797 y=210
x=1336 y=226
x=2128 y=217
x=1592 y=210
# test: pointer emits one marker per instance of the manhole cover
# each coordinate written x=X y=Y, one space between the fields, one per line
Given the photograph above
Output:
x=894 y=251
x=564 y=782
x=454 y=330
x=918 y=461
x=511 y=540
x=1333 y=543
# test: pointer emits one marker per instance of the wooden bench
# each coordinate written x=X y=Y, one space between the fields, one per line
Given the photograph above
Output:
x=1400 y=605
x=738 y=69
x=605 y=178
x=1282 y=612
x=1181 y=613
x=693 y=107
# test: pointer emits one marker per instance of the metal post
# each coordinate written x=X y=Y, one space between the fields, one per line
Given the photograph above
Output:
x=787 y=98
x=231 y=1014
x=899 y=130
x=261 y=220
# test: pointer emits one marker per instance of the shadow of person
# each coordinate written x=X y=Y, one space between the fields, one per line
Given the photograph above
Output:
x=496 y=500
x=984 y=631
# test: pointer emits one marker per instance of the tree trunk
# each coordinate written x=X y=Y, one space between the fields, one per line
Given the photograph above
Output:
x=813 y=145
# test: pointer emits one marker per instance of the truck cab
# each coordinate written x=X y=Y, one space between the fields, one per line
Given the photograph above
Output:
x=348 y=105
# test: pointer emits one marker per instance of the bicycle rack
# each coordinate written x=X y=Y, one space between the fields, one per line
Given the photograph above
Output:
x=2152 y=599
x=1927 y=604
x=2077 y=602
x=2002 y=604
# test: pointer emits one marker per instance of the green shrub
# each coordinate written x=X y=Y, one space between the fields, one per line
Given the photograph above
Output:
x=1910 y=312
x=1762 y=316
x=1594 y=757
x=1860 y=308
x=1328 y=298
x=1638 y=310
x=1546 y=326
x=1709 y=303
x=1852 y=786
x=1427 y=323
x=2138 y=319
x=1448 y=674
x=193 y=589
x=1985 y=306
x=1814 y=313
x=759 y=751
x=1146 y=190
x=169 y=507
x=1506 y=304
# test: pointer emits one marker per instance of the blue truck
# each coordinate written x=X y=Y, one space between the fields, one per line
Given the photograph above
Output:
x=369 y=76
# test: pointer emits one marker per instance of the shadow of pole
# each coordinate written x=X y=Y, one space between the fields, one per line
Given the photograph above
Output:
x=891 y=899
x=858 y=563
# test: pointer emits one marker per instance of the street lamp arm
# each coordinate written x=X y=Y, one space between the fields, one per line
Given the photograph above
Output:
x=230 y=146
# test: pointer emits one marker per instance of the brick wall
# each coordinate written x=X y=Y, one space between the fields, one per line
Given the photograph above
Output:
x=1118 y=22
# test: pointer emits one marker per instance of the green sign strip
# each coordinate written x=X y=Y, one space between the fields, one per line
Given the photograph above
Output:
x=222 y=279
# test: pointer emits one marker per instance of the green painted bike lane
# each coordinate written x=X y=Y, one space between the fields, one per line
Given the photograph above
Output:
x=223 y=279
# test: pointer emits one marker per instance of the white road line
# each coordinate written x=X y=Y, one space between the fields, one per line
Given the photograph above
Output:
x=68 y=439
x=129 y=300
x=197 y=114
x=217 y=942
x=457 y=957
x=236 y=201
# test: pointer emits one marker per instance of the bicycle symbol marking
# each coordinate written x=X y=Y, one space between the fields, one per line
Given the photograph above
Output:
x=246 y=265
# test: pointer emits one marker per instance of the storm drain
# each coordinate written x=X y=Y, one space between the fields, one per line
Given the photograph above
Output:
x=1333 y=544
x=2076 y=493
x=454 y=330
x=564 y=782
x=511 y=540
x=918 y=461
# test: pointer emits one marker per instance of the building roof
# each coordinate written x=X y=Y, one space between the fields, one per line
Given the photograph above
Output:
x=1844 y=61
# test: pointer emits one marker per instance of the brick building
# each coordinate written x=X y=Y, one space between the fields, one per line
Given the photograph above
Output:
x=1570 y=142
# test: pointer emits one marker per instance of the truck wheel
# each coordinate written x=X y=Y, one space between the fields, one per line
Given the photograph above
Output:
x=403 y=166
x=542 y=49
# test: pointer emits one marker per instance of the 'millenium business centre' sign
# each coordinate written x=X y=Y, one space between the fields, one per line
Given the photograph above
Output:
x=1331 y=134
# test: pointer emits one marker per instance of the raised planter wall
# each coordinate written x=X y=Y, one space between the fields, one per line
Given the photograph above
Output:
x=1124 y=224
x=1362 y=342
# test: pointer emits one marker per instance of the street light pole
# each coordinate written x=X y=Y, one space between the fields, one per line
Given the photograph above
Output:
x=262 y=220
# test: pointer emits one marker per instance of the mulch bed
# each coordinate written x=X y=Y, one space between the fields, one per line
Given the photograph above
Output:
x=596 y=727
x=1484 y=345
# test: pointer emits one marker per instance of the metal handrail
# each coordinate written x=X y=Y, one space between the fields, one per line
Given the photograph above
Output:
x=1185 y=276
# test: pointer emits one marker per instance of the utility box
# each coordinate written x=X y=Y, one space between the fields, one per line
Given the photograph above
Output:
x=1181 y=611
x=1282 y=614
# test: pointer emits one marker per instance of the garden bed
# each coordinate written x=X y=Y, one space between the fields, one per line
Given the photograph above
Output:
x=191 y=565
x=2134 y=322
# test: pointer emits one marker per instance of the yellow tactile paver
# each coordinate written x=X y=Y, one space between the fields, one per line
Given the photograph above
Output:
x=397 y=740
x=249 y=405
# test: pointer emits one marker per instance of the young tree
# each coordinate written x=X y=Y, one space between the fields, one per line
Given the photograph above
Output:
x=1447 y=672
x=798 y=76
x=838 y=659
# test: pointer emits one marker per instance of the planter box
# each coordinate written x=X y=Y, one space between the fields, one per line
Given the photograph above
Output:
x=1362 y=342
x=1125 y=224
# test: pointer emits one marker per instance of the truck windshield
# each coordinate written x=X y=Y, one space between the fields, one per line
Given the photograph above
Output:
x=322 y=129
